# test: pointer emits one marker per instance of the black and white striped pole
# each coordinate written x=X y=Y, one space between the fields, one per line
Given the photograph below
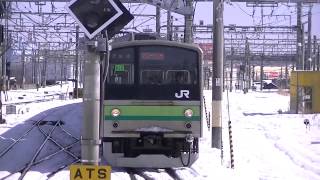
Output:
x=231 y=144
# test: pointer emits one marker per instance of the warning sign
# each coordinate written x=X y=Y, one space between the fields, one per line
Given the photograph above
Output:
x=88 y=172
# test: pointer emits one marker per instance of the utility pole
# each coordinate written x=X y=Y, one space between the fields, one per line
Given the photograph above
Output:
x=37 y=68
x=158 y=22
x=23 y=69
x=55 y=70
x=169 y=26
x=318 y=59
x=246 y=67
x=5 y=48
x=249 y=72
x=33 y=65
x=231 y=68
x=303 y=48
x=224 y=75
x=314 y=53
x=299 y=62
x=308 y=58
x=253 y=73
x=262 y=56
x=76 y=91
x=261 y=72
x=61 y=70
x=44 y=69
x=188 y=20
x=286 y=75
x=217 y=74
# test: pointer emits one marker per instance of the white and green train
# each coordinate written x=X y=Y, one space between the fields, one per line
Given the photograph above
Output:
x=153 y=104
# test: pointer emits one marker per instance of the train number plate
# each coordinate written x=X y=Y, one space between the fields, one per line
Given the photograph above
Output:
x=90 y=172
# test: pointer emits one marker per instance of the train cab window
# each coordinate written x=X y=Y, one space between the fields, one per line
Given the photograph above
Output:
x=151 y=77
x=121 y=67
x=121 y=74
x=178 y=77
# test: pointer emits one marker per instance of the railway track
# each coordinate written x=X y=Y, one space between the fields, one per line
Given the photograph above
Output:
x=50 y=126
x=155 y=174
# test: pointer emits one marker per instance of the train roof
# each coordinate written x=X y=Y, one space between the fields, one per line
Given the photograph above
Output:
x=154 y=42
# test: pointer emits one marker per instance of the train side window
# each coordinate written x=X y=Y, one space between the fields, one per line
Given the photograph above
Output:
x=178 y=77
x=151 y=77
x=121 y=74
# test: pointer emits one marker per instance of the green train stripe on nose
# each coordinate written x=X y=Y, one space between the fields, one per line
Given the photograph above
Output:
x=152 y=118
x=161 y=113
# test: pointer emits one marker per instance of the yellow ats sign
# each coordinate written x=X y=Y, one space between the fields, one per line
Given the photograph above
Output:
x=88 y=172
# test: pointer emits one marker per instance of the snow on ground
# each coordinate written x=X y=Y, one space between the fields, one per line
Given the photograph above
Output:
x=267 y=145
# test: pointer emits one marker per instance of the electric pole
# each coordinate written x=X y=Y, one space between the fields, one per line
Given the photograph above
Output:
x=299 y=63
x=169 y=26
x=76 y=90
x=308 y=58
x=188 y=36
x=158 y=22
x=217 y=74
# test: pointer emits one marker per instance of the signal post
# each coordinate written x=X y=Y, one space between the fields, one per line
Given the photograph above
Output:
x=94 y=17
x=90 y=139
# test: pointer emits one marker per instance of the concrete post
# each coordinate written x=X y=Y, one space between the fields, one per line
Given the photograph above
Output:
x=76 y=92
x=23 y=69
x=308 y=55
x=169 y=26
x=231 y=68
x=38 y=70
x=314 y=60
x=158 y=22
x=188 y=19
x=303 y=54
x=33 y=59
x=61 y=70
x=217 y=75
x=299 y=62
x=318 y=58
x=91 y=101
x=44 y=70
x=261 y=73
x=246 y=67
x=286 y=75
x=253 y=73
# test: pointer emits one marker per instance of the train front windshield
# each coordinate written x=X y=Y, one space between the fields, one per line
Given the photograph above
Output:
x=153 y=73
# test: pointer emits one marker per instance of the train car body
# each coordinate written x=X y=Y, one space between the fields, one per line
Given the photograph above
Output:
x=152 y=104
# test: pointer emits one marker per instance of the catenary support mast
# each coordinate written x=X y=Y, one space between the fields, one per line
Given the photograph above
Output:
x=217 y=67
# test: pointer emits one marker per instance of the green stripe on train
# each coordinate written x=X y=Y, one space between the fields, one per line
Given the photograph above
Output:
x=152 y=118
x=161 y=113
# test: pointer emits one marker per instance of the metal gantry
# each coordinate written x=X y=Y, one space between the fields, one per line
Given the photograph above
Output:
x=46 y=35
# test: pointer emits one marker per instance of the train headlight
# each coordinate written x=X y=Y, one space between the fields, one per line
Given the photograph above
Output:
x=188 y=113
x=115 y=112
